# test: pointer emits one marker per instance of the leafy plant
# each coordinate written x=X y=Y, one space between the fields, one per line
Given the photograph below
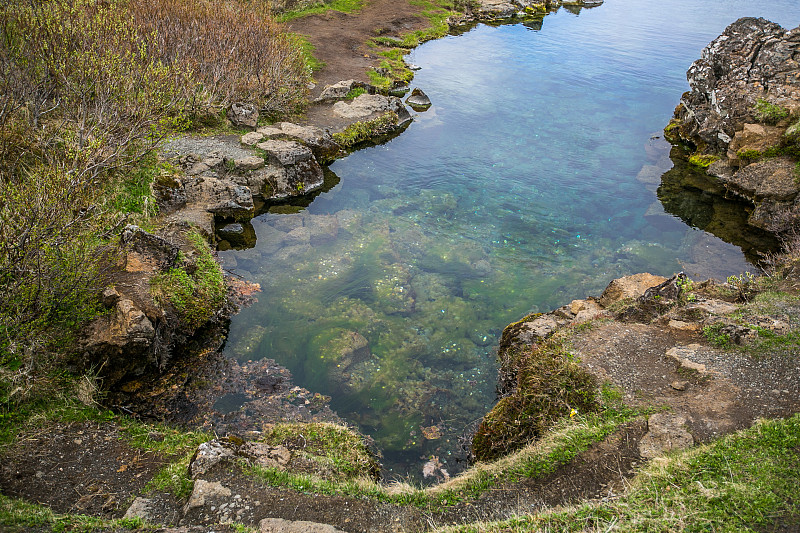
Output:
x=715 y=336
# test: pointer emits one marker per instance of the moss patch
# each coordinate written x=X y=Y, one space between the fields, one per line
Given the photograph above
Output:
x=195 y=289
x=361 y=131
x=327 y=450
x=549 y=386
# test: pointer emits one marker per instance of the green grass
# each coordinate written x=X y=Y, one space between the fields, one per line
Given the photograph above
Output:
x=335 y=451
x=345 y=6
x=20 y=516
x=562 y=444
x=743 y=482
x=307 y=49
x=177 y=444
x=355 y=92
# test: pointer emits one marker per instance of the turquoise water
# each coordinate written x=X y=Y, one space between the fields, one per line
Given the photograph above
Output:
x=530 y=182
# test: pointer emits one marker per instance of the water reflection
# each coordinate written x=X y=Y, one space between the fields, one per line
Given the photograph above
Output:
x=690 y=194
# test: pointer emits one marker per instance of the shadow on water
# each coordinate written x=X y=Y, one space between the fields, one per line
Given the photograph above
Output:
x=240 y=235
x=687 y=192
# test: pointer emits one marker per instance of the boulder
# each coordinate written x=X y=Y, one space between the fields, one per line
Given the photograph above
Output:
x=629 y=287
x=120 y=343
x=752 y=62
x=243 y=115
x=340 y=90
x=753 y=59
x=418 y=99
x=368 y=106
x=496 y=9
x=222 y=197
x=666 y=432
x=318 y=140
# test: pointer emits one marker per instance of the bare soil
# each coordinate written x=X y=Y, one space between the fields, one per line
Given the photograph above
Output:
x=340 y=39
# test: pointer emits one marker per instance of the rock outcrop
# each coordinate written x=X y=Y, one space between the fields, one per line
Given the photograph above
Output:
x=742 y=118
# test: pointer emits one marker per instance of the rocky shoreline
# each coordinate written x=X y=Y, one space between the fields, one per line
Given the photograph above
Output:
x=739 y=120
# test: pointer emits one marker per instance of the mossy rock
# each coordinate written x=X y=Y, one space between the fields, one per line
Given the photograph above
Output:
x=549 y=386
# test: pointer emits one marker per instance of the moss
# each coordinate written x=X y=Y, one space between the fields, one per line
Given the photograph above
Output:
x=359 y=132
x=769 y=113
x=749 y=156
x=549 y=386
x=195 y=289
x=702 y=160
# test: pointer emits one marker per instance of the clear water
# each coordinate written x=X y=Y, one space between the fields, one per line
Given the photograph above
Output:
x=529 y=183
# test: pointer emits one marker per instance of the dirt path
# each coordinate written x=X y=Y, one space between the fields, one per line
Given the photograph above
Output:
x=340 y=39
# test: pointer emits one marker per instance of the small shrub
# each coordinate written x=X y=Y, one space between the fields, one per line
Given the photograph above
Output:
x=714 y=335
x=234 y=49
x=769 y=113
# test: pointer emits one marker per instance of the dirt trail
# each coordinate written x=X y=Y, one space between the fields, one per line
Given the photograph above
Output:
x=340 y=39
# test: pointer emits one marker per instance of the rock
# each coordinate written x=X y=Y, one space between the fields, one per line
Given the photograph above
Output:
x=753 y=61
x=239 y=235
x=758 y=137
x=666 y=432
x=150 y=248
x=139 y=509
x=496 y=9
x=110 y=297
x=243 y=115
x=318 y=140
x=279 y=525
x=711 y=306
x=682 y=355
x=418 y=99
x=286 y=152
x=629 y=287
x=221 y=197
x=679 y=385
x=252 y=162
x=340 y=90
x=367 y=106
x=266 y=455
x=768 y=179
x=210 y=454
x=293 y=171
x=252 y=138
x=683 y=326
x=322 y=228
x=121 y=341
x=204 y=492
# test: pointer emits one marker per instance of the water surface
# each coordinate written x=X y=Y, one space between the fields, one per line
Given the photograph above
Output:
x=530 y=182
